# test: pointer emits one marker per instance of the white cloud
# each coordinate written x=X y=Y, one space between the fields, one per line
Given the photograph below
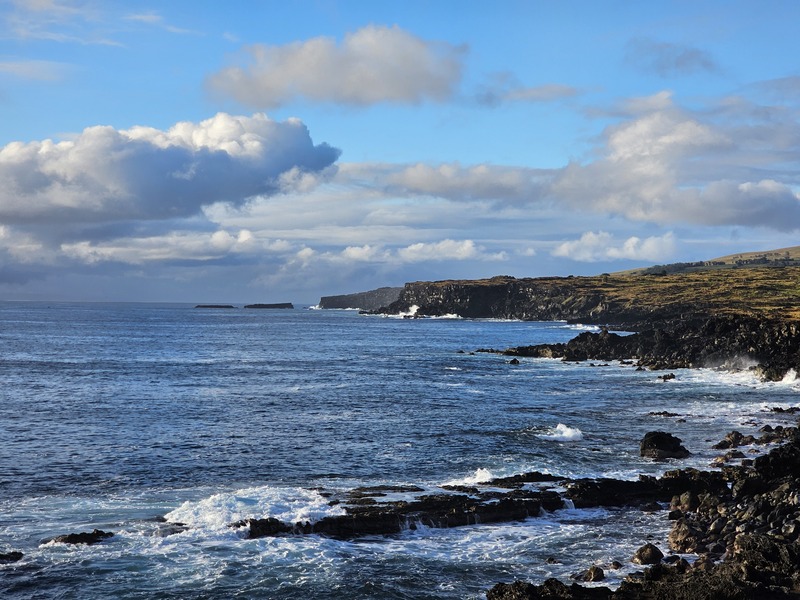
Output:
x=446 y=250
x=601 y=246
x=667 y=165
x=372 y=65
x=144 y=173
x=173 y=246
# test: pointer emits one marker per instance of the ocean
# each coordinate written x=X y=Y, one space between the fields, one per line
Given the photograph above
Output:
x=122 y=416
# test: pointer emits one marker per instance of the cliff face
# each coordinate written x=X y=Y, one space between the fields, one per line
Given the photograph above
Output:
x=372 y=300
x=582 y=299
x=503 y=298
x=631 y=301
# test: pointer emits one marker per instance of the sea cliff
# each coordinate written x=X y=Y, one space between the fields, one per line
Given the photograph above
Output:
x=371 y=300
x=748 y=317
x=632 y=301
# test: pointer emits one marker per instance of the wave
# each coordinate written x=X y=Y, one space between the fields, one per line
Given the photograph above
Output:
x=479 y=476
x=289 y=505
x=563 y=433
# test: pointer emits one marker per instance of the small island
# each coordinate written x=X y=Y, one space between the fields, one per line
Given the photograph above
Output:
x=215 y=306
x=278 y=305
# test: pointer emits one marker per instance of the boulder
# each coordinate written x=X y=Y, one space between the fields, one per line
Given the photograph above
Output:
x=594 y=573
x=649 y=554
x=660 y=445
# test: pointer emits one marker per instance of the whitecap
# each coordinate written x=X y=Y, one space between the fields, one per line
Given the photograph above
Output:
x=563 y=433
x=289 y=505
x=480 y=475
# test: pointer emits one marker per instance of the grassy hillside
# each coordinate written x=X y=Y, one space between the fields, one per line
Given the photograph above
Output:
x=782 y=257
x=746 y=290
x=759 y=291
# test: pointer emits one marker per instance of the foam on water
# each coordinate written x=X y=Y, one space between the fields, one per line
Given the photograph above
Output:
x=563 y=433
x=289 y=505
x=479 y=476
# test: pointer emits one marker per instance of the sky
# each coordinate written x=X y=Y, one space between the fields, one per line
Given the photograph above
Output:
x=205 y=151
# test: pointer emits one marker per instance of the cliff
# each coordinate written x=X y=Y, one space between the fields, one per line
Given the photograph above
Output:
x=631 y=301
x=371 y=300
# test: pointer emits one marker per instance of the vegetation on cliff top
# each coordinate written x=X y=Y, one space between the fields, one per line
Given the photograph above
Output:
x=757 y=291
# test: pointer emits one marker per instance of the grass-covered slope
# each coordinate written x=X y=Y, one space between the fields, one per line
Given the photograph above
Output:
x=755 y=291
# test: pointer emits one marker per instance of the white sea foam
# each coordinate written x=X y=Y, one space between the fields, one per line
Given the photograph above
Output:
x=738 y=378
x=286 y=504
x=479 y=476
x=563 y=433
x=412 y=311
x=580 y=327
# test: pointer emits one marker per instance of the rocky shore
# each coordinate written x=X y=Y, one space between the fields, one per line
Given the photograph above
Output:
x=772 y=348
x=743 y=523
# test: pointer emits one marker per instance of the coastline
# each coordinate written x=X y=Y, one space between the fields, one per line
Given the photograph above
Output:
x=745 y=530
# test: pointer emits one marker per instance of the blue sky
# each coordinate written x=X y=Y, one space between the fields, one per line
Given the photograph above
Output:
x=271 y=151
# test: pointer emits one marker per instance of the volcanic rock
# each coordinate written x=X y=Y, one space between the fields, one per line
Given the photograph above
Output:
x=660 y=445
x=89 y=538
x=649 y=554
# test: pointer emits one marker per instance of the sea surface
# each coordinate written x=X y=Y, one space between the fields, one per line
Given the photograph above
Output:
x=121 y=416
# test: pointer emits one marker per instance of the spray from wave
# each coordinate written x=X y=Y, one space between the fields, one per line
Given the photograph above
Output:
x=563 y=433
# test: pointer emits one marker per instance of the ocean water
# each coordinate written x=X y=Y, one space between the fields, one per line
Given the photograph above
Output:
x=116 y=416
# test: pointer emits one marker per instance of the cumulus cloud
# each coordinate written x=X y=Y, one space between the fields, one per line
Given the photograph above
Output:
x=601 y=246
x=668 y=59
x=372 y=65
x=446 y=250
x=105 y=174
x=664 y=164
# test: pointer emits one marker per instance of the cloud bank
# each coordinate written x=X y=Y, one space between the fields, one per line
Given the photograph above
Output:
x=602 y=246
x=105 y=175
x=372 y=65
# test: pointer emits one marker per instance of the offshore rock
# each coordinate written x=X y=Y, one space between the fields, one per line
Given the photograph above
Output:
x=89 y=538
x=431 y=510
x=10 y=557
x=281 y=305
x=660 y=445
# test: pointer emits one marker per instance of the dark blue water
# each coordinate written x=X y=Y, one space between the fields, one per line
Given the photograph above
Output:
x=114 y=414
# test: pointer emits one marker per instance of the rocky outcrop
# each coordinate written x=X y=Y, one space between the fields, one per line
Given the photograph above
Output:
x=89 y=538
x=660 y=445
x=371 y=300
x=771 y=347
x=215 y=306
x=747 y=536
x=540 y=299
x=10 y=557
x=281 y=305
x=365 y=515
